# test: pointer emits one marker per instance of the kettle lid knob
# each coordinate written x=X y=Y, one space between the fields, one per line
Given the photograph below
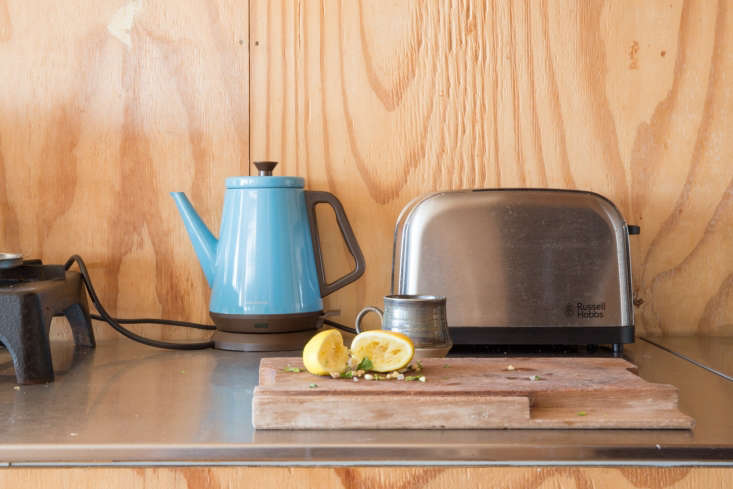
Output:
x=265 y=167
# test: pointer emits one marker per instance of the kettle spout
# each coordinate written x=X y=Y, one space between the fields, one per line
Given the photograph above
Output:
x=204 y=243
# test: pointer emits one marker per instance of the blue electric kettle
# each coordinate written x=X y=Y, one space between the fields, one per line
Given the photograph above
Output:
x=266 y=269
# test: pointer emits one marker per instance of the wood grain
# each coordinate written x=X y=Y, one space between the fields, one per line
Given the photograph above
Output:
x=469 y=393
x=369 y=477
x=379 y=102
x=106 y=107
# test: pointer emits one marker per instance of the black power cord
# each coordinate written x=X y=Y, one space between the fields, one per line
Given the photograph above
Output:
x=116 y=323
x=340 y=326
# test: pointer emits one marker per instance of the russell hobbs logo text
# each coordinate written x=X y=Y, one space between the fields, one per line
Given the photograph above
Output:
x=590 y=311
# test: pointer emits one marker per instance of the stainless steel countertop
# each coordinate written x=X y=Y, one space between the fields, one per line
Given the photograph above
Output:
x=711 y=352
x=125 y=403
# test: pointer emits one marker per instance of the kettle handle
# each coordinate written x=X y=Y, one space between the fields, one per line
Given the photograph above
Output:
x=312 y=198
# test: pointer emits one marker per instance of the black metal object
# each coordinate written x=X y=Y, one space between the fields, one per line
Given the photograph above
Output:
x=31 y=294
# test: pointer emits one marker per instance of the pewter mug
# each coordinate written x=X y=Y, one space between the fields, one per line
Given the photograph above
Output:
x=422 y=318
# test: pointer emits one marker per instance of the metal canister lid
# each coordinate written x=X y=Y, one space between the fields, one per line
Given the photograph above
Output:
x=10 y=260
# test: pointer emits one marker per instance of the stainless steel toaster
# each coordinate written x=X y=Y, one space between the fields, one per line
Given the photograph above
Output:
x=520 y=266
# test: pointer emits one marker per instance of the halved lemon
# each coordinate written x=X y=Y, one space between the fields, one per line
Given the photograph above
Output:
x=325 y=353
x=387 y=350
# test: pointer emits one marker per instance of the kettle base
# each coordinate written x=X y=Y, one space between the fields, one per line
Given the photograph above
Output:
x=267 y=323
x=262 y=341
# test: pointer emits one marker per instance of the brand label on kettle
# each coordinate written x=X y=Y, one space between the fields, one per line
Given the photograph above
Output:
x=586 y=311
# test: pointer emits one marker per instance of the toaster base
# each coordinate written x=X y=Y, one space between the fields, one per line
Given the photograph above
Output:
x=541 y=335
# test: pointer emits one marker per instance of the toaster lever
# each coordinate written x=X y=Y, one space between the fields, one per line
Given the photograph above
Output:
x=633 y=229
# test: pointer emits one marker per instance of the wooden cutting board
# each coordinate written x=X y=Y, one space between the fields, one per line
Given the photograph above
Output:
x=465 y=393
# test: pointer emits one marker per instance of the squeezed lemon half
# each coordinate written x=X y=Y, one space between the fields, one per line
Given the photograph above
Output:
x=387 y=350
x=325 y=353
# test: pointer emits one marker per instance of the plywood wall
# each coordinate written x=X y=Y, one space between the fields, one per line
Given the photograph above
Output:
x=380 y=102
x=368 y=477
x=106 y=107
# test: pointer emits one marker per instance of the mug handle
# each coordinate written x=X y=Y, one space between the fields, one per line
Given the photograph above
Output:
x=364 y=312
